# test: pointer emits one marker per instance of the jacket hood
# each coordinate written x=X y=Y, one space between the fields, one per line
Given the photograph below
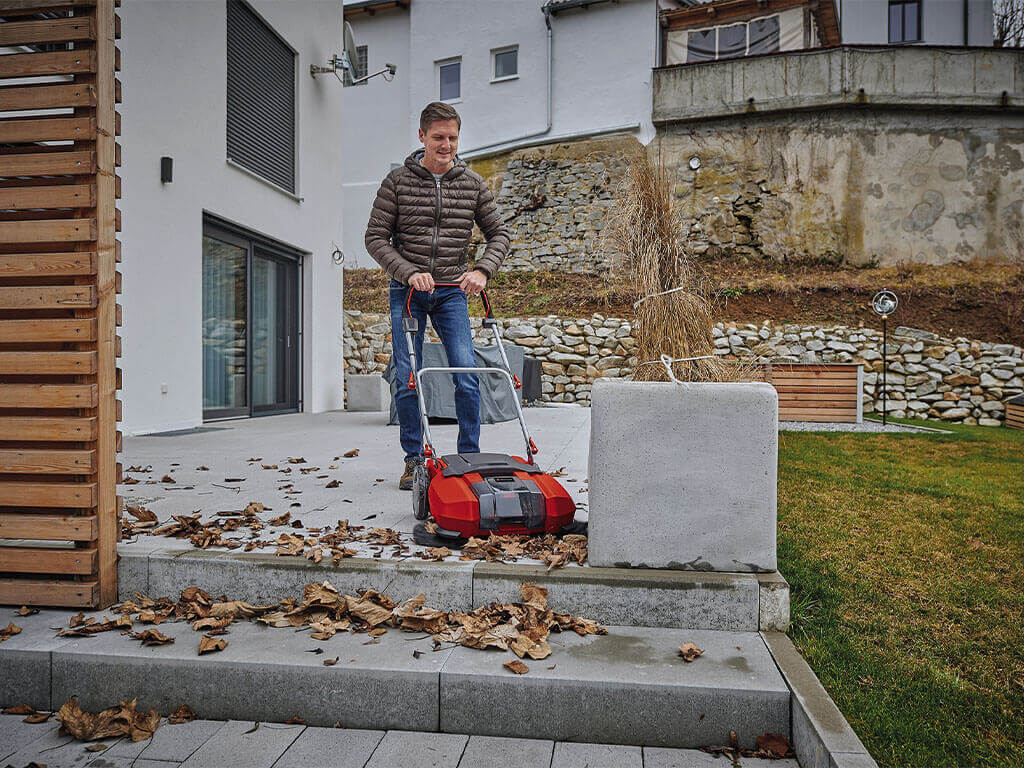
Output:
x=413 y=163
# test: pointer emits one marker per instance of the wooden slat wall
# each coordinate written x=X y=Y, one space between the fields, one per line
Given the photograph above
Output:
x=58 y=313
x=829 y=392
x=1015 y=415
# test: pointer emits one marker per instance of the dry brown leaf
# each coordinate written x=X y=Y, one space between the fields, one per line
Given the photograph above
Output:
x=26 y=611
x=333 y=484
x=331 y=662
x=210 y=644
x=121 y=720
x=299 y=460
x=19 y=709
x=211 y=622
x=167 y=479
x=295 y=721
x=38 y=717
x=377 y=632
x=152 y=637
x=281 y=519
x=95 y=747
x=9 y=631
x=515 y=665
x=534 y=596
x=351 y=454
x=367 y=610
x=435 y=553
x=182 y=714
x=689 y=651
x=774 y=745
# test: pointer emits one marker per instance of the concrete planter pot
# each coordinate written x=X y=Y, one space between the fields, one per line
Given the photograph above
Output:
x=683 y=475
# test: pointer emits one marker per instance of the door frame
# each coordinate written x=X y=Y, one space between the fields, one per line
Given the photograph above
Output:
x=221 y=229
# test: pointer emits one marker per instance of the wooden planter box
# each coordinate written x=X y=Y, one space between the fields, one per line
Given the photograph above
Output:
x=826 y=392
x=1015 y=412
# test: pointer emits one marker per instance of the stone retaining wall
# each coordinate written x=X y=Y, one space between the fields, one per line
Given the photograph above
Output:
x=957 y=380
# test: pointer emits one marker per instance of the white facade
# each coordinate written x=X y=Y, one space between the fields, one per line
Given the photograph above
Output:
x=174 y=81
x=943 y=22
x=601 y=79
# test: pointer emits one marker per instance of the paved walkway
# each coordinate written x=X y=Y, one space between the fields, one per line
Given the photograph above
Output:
x=243 y=744
x=367 y=491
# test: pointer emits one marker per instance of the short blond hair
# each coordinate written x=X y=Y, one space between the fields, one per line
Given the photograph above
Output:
x=438 y=110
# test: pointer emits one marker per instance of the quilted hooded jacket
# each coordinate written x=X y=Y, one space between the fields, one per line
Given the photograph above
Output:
x=419 y=224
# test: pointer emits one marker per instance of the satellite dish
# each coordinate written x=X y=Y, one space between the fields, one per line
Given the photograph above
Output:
x=349 y=53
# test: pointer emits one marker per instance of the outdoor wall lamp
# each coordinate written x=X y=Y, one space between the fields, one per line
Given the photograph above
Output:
x=884 y=303
x=166 y=170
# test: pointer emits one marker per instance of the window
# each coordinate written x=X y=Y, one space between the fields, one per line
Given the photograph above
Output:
x=260 y=98
x=449 y=79
x=743 y=39
x=904 y=21
x=362 y=57
x=505 y=63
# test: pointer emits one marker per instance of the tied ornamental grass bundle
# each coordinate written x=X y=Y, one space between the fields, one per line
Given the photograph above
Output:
x=672 y=312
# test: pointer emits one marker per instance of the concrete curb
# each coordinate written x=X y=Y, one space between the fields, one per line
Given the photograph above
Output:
x=621 y=596
x=821 y=735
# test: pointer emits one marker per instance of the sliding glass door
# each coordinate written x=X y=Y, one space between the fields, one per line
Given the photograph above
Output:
x=250 y=326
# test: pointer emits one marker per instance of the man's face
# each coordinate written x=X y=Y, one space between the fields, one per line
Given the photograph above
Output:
x=440 y=142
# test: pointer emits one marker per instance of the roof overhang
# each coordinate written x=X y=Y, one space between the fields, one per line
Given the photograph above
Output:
x=370 y=7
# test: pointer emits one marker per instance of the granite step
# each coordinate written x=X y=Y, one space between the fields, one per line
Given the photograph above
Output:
x=628 y=687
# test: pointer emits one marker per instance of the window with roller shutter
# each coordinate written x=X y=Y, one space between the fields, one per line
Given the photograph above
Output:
x=260 y=97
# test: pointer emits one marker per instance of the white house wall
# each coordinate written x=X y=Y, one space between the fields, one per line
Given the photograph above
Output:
x=602 y=78
x=174 y=88
x=867 y=21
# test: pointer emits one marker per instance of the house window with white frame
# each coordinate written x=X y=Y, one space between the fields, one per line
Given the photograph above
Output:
x=449 y=79
x=504 y=63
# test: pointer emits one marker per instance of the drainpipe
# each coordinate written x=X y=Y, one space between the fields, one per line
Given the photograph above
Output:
x=547 y=22
x=965 y=24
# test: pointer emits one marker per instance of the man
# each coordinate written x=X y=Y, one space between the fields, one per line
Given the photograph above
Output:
x=419 y=232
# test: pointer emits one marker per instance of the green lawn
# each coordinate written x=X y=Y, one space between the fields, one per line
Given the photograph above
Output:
x=905 y=553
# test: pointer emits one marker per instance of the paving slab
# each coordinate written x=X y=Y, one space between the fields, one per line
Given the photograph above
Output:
x=489 y=751
x=331 y=748
x=423 y=750
x=264 y=673
x=172 y=742
x=596 y=756
x=241 y=744
x=55 y=751
x=659 y=757
x=629 y=687
x=25 y=657
x=634 y=597
x=127 y=762
x=15 y=734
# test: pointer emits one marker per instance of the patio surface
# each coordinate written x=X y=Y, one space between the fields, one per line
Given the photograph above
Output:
x=368 y=492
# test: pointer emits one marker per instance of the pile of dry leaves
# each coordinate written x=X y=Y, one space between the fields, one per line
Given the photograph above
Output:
x=520 y=627
x=317 y=543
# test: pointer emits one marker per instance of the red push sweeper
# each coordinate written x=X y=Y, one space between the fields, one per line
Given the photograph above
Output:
x=479 y=494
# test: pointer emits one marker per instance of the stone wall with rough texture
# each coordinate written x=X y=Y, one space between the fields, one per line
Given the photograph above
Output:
x=855 y=187
x=957 y=380
x=556 y=200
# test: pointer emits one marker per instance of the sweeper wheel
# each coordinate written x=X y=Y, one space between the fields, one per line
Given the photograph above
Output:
x=420 y=483
x=425 y=538
x=576 y=526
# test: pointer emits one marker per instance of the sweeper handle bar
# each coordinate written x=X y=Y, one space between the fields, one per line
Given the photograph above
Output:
x=410 y=326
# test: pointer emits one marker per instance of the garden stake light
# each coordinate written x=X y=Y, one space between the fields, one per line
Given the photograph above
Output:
x=884 y=303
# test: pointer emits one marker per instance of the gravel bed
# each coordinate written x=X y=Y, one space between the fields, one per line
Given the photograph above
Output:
x=864 y=426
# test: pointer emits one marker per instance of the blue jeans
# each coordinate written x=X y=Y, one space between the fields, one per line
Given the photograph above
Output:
x=449 y=314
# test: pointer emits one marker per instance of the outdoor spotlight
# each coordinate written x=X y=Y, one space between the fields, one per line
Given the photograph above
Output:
x=884 y=303
x=694 y=163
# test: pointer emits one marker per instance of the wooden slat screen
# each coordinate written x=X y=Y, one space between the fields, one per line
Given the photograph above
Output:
x=58 y=314
x=829 y=392
x=1015 y=415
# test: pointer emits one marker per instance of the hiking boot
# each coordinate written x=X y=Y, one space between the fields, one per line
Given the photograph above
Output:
x=405 y=484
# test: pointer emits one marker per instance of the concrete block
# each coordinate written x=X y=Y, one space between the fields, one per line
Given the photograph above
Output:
x=264 y=674
x=644 y=598
x=489 y=751
x=773 y=602
x=761 y=79
x=819 y=730
x=448 y=585
x=132 y=572
x=342 y=747
x=233 y=745
x=807 y=76
x=367 y=392
x=25 y=658
x=258 y=578
x=873 y=71
x=423 y=750
x=628 y=687
x=683 y=475
x=658 y=757
x=596 y=756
